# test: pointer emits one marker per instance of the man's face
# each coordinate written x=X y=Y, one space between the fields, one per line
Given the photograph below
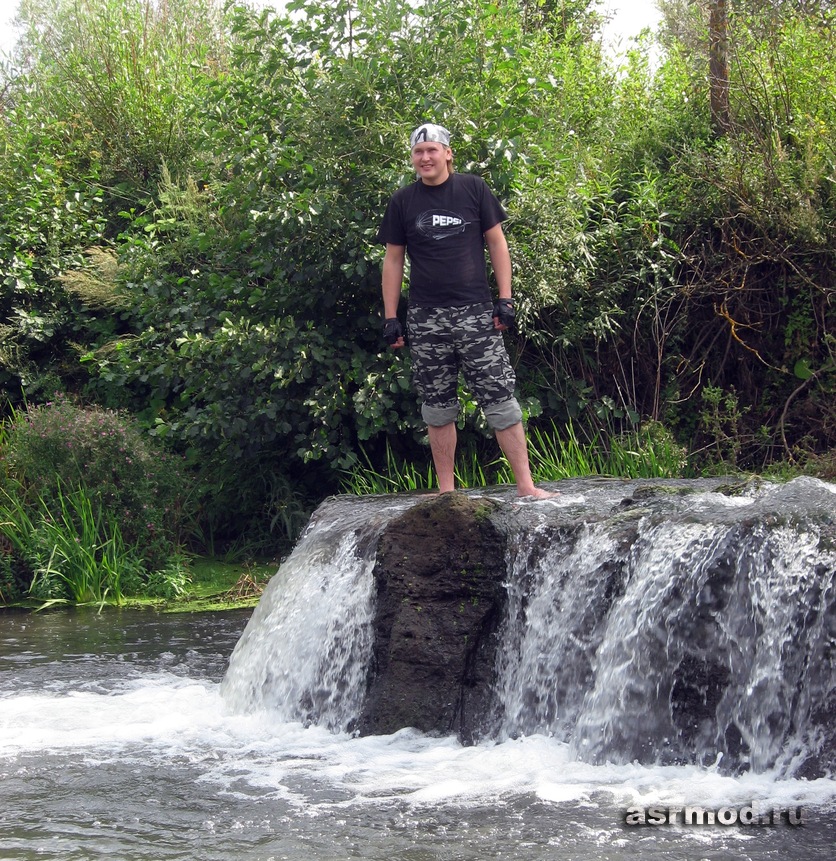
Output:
x=429 y=158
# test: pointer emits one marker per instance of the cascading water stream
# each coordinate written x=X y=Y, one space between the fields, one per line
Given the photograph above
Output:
x=688 y=628
x=305 y=652
x=705 y=655
x=561 y=586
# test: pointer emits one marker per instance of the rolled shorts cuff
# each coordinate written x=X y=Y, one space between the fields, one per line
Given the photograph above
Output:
x=438 y=417
x=503 y=415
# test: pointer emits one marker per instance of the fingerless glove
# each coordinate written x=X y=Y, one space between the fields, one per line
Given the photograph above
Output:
x=503 y=310
x=392 y=330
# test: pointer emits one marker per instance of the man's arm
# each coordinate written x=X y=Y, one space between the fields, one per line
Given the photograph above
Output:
x=393 y=268
x=500 y=259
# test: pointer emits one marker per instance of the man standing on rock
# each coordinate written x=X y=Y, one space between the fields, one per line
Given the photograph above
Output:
x=443 y=222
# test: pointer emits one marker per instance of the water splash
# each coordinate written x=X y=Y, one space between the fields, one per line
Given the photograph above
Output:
x=305 y=653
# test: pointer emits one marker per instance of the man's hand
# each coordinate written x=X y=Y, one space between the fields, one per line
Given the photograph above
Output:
x=503 y=314
x=392 y=332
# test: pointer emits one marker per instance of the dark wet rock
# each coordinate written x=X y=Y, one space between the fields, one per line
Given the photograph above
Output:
x=439 y=575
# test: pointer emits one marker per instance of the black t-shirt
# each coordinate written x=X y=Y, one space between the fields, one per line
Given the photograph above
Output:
x=442 y=227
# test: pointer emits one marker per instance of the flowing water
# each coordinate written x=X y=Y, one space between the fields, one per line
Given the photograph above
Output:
x=123 y=735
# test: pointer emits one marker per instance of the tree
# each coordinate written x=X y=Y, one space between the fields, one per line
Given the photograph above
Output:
x=122 y=73
x=754 y=220
x=99 y=99
x=718 y=66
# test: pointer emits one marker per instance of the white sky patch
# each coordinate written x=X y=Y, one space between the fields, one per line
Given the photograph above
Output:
x=629 y=18
x=8 y=34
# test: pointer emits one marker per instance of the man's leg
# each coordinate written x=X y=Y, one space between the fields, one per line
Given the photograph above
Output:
x=435 y=372
x=443 y=446
x=491 y=379
x=515 y=448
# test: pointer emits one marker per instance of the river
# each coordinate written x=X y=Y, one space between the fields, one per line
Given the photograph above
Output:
x=115 y=743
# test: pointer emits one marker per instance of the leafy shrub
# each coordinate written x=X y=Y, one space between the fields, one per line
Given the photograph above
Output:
x=58 y=448
x=49 y=212
x=171 y=582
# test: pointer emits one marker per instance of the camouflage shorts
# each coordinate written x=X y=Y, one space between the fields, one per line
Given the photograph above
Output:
x=444 y=340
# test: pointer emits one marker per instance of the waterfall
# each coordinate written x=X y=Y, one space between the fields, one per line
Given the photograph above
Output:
x=663 y=625
x=706 y=653
x=561 y=584
x=306 y=650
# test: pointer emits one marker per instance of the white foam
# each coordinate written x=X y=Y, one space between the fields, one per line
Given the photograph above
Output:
x=711 y=501
x=160 y=718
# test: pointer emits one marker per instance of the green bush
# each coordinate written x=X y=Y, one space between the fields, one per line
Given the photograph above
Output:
x=58 y=448
x=15 y=575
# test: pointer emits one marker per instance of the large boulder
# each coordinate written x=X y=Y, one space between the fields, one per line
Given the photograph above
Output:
x=439 y=575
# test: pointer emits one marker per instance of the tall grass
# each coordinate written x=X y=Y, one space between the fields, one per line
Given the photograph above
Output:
x=396 y=476
x=399 y=475
x=75 y=552
x=649 y=452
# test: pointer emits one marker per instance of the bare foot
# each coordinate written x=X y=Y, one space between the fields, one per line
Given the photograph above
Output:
x=538 y=493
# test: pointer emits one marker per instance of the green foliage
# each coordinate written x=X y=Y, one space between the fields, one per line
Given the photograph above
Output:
x=50 y=210
x=124 y=73
x=189 y=201
x=398 y=474
x=72 y=550
x=720 y=421
x=253 y=512
x=737 y=288
x=97 y=97
x=56 y=450
x=171 y=582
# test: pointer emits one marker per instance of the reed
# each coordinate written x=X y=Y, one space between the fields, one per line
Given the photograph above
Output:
x=396 y=476
x=399 y=475
x=75 y=551
x=647 y=452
